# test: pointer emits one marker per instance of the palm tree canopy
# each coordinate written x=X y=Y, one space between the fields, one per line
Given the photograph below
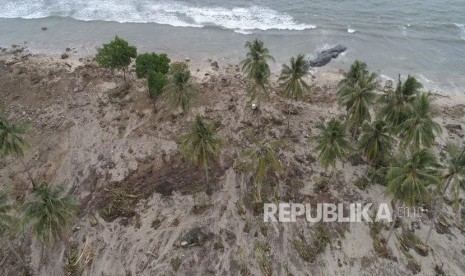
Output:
x=376 y=142
x=292 y=77
x=357 y=97
x=419 y=129
x=396 y=103
x=200 y=145
x=8 y=223
x=332 y=143
x=257 y=54
x=50 y=213
x=262 y=159
x=409 y=176
x=357 y=70
x=11 y=138
x=258 y=83
x=455 y=160
x=179 y=90
x=455 y=169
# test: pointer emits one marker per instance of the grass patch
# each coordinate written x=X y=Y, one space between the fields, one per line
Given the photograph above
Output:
x=261 y=250
x=320 y=240
x=176 y=263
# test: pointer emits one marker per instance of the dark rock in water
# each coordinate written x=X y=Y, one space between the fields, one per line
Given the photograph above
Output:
x=324 y=57
x=64 y=56
x=44 y=28
x=194 y=236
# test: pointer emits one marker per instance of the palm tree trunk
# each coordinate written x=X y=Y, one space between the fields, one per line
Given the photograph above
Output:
x=437 y=202
x=124 y=75
x=207 y=181
x=34 y=187
x=288 y=116
x=391 y=229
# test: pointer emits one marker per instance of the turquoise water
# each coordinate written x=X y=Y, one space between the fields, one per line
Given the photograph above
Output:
x=425 y=38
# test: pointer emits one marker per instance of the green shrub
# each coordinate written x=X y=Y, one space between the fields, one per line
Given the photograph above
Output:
x=176 y=263
x=116 y=55
x=179 y=67
x=156 y=81
x=151 y=62
x=362 y=183
x=377 y=176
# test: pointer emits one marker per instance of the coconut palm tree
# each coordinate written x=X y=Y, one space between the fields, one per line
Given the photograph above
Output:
x=408 y=178
x=376 y=143
x=357 y=70
x=258 y=83
x=292 y=80
x=357 y=95
x=419 y=129
x=50 y=213
x=12 y=142
x=256 y=59
x=332 y=143
x=179 y=90
x=8 y=222
x=201 y=145
x=396 y=104
x=259 y=161
x=454 y=175
x=9 y=225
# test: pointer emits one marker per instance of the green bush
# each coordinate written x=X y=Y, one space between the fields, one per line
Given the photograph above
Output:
x=377 y=176
x=156 y=81
x=116 y=55
x=362 y=183
x=179 y=68
x=151 y=62
x=176 y=263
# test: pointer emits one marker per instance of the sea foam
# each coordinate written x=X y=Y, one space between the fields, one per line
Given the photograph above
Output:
x=173 y=13
x=462 y=30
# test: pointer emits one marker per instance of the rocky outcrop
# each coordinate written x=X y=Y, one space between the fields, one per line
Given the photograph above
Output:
x=324 y=57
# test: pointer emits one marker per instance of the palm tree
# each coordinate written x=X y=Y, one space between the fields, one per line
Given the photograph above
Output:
x=259 y=82
x=201 y=145
x=256 y=58
x=50 y=213
x=332 y=143
x=179 y=90
x=357 y=95
x=408 y=178
x=396 y=103
x=9 y=225
x=12 y=142
x=259 y=162
x=292 y=80
x=454 y=174
x=419 y=129
x=357 y=70
x=376 y=143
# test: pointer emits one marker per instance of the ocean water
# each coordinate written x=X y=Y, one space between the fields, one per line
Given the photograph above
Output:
x=425 y=38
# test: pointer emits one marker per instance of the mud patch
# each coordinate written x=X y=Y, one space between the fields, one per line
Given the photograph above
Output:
x=120 y=199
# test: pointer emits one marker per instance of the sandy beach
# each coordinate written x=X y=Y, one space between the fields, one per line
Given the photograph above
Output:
x=100 y=138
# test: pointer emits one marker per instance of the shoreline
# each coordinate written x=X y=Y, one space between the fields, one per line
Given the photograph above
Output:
x=200 y=66
x=439 y=70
